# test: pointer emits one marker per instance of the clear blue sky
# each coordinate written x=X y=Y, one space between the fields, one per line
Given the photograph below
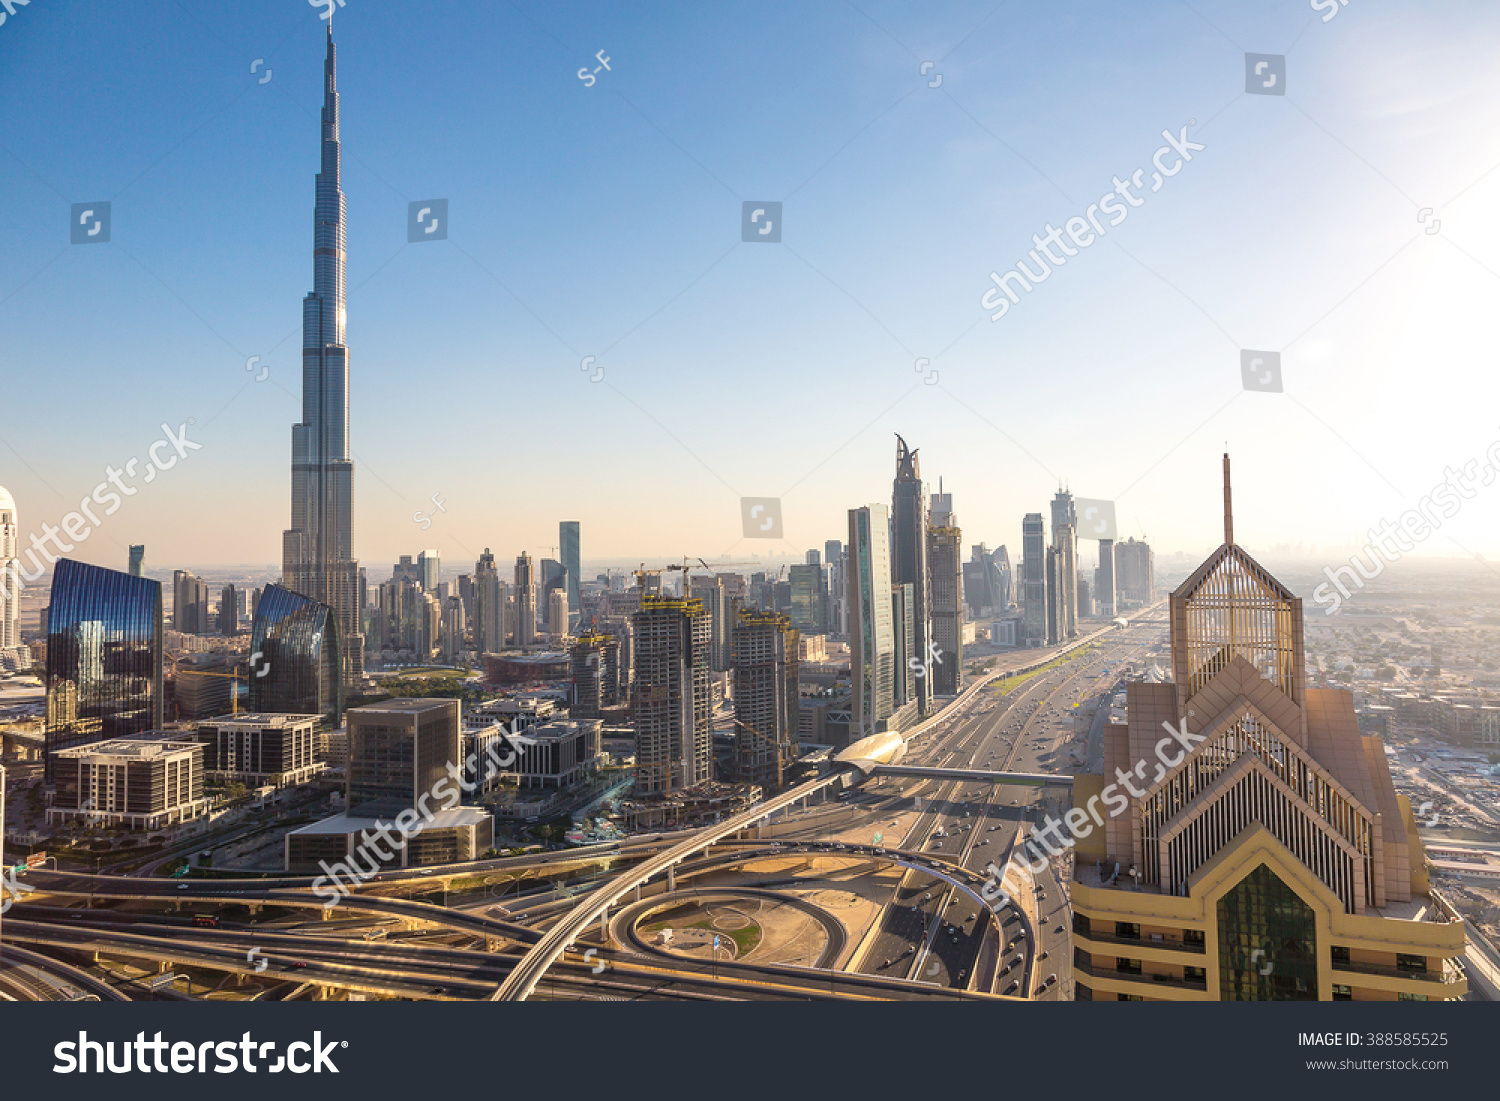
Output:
x=604 y=221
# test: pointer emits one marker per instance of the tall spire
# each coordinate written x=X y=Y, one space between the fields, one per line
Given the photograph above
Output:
x=317 y=554
x=1228 y=506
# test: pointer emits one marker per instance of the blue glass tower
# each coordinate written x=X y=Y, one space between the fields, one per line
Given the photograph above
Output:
x=317 y=552
x=104 y=656
x=300 y=660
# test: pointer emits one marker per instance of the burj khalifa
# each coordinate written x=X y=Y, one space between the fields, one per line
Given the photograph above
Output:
x=317 y=555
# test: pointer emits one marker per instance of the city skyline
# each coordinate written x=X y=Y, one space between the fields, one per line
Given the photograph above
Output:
x=1375 y=415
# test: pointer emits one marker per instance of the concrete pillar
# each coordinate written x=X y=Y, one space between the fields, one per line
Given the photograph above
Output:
x=637 y=892
x=672 y=878
x=326 y=913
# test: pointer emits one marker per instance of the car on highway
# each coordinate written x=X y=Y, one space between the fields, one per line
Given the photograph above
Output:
x=1015 y=984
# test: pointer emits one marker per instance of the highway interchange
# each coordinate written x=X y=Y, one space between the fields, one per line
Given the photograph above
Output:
x=475 y=931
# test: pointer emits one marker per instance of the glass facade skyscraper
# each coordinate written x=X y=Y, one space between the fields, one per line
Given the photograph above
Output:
x=317 y=550
x=872 y=641
x=104 y=656
x=568 y=546
x=301 y=657
x=908 y=551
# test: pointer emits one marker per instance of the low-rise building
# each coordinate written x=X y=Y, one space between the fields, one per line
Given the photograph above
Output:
x=261 y=749
x=369 y=844
x=146 y=782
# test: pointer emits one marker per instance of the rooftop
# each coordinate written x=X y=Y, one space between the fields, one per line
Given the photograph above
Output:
x=348 y=823
x=256 y=718
x=405 y=707
x=140 y=749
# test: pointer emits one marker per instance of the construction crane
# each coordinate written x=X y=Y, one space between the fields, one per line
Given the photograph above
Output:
x=684 y=568
x=235 y=677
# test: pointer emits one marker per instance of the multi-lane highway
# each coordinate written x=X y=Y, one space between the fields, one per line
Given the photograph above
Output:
x=932 y=934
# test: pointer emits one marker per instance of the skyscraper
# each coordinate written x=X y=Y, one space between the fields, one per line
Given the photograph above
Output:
x=525 y=600
x=557 y=614
x=809 y=598
x=10 y=574
x=1065 y=541
x=872 y=642
x=944 y=551
x=317 y=550
x=1000 y=560
x=1135 y=572
x=137 y=558
x=452 y=634
x=229 y=615
x=909 y=550
x=1104 y=578
x=672 y=706
x=190 y=604
x=104 y=656
x=1033 y=581
x=568 y=546
x=716 y=601
x=765 y=697
x=594 y=666
x=489 y=606
x=429 y=566
x=300 y=664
